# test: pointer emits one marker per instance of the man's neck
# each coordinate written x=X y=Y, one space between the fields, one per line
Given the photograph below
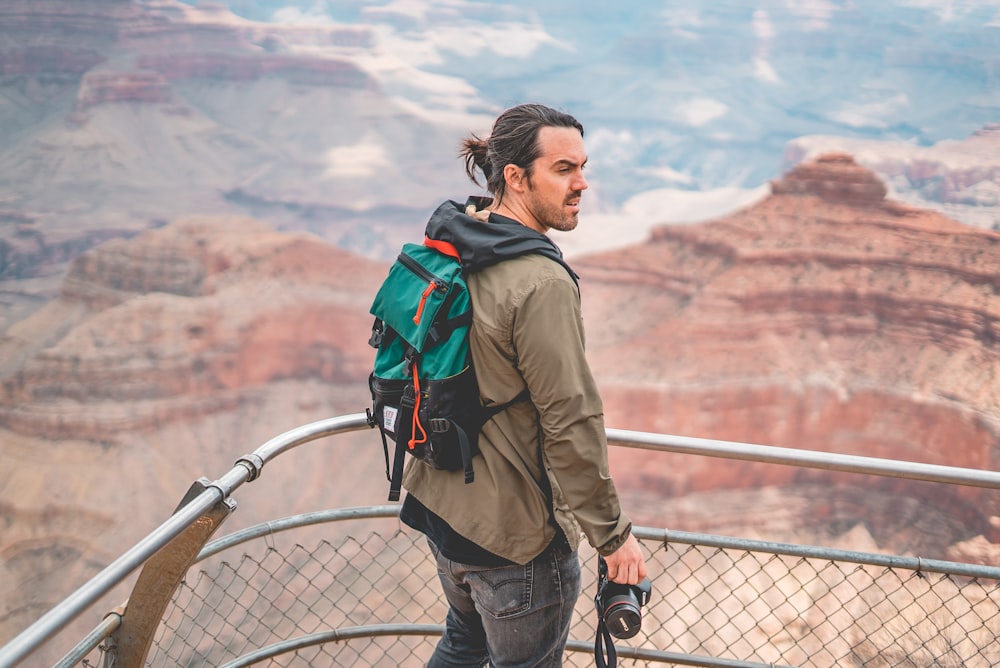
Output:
x=518 y=213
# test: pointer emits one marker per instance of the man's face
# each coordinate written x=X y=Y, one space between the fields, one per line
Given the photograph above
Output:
x=557 y=183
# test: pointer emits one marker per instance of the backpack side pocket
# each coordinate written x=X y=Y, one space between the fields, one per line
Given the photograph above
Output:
x=455 y=416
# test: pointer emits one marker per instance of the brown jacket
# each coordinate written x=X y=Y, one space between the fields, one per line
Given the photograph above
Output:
x=528 y=331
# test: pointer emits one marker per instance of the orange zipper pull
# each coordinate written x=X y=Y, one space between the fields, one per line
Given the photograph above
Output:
x=414 y=442
x=423 y=300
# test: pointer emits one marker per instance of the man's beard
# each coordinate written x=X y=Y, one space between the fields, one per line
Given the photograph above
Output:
x=555 y=217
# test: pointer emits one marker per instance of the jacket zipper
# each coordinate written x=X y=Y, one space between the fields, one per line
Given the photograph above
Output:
x=433 y=283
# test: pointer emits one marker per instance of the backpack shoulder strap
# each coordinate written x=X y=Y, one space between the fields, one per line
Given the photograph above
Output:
x=443 y=327
x=491 y=411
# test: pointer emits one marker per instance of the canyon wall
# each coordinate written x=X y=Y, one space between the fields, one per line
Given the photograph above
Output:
x=824 y=317
x=163 y=359
x=958 y=177
x=119 y=116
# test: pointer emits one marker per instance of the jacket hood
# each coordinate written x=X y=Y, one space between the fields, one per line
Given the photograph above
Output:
x=481 y=243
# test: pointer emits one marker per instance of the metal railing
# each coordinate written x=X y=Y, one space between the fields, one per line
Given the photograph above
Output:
x=200 y=512
x=374 y=600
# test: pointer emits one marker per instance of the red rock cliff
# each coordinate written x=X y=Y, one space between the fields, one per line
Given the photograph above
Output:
x=178 y=322
x=825 y=317
x=163 y=359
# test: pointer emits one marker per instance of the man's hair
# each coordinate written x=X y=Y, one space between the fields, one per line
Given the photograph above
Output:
x=514 y=140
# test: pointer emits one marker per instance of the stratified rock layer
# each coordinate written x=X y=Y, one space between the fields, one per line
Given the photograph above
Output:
x=958 y=177
x=826 y=318
x=164 y=359
x=118 y=116
x=182 y=319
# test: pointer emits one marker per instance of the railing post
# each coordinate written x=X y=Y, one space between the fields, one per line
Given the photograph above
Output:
x=159 y=579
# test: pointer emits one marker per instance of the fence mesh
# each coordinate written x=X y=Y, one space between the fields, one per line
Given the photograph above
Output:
x=732 y=604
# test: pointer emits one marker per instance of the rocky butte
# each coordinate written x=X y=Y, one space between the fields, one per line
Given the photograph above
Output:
x=824 y=317
x=118 y=116
x=960 y=178
x=163 y=359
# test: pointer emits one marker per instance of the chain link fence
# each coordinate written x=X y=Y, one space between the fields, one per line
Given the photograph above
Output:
x=739 y=605
x=368 y=596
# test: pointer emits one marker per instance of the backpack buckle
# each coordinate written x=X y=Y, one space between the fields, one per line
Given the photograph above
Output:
x=440 y=425
x=377 y=332
x=408 y=399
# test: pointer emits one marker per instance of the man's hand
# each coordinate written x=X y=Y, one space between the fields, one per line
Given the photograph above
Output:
x=626 y=565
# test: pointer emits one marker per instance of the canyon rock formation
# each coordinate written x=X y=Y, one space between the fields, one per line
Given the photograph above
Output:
x=961 y=177
x=118 y=116
x=824 y=317
x=164 y=359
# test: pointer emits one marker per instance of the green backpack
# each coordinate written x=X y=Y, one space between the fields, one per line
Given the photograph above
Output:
x=425 y=397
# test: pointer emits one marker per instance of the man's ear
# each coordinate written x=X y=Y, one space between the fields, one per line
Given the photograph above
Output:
x=514 y=176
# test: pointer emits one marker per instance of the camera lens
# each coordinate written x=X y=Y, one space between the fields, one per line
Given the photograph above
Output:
x=621 y=614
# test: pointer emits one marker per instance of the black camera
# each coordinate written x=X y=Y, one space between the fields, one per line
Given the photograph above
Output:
x=619 y=604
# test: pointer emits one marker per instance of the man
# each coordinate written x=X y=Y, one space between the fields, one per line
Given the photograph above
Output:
x=506 y=544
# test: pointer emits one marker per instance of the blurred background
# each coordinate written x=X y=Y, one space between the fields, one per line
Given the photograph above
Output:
x=789 y=238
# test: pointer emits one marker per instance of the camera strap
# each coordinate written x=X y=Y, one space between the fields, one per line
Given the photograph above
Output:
x=603 y=636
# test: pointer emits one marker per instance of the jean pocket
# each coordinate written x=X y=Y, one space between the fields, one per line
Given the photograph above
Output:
x=502 y=592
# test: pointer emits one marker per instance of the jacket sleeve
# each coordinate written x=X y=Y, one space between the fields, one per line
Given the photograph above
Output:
x=549 y=343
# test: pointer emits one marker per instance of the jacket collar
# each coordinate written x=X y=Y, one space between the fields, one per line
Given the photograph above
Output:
x=480 y=243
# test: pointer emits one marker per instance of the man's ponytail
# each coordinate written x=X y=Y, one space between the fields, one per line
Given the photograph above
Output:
x=475 y=151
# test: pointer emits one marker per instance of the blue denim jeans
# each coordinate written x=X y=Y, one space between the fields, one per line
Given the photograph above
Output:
x=509 y=616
